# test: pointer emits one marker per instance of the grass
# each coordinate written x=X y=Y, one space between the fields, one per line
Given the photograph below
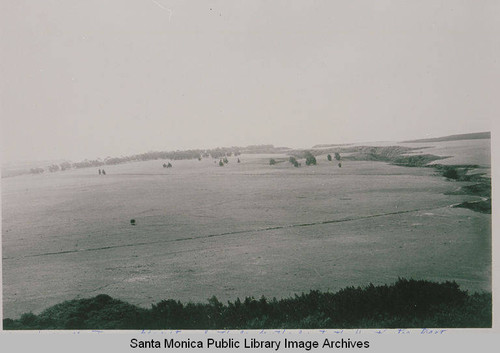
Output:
x=404 y=304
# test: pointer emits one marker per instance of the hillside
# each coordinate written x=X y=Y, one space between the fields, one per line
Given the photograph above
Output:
x=471 y=136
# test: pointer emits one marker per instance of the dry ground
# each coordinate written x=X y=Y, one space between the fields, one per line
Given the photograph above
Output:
x=247 y=229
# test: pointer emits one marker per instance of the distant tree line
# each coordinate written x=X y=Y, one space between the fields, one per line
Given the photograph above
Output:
x=172 y=155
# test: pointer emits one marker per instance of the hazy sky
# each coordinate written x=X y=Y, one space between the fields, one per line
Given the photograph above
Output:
x=87 y=79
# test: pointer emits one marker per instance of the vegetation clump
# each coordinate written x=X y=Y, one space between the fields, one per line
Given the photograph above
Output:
x=295 y=163
x=36 y=170
x=458 y=172
x=406 y=303
x=310 y=159
x=481 y=186
x=419 y=160
x=483 y=206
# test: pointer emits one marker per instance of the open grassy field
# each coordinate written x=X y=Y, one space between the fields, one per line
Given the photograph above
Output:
x=246 y=229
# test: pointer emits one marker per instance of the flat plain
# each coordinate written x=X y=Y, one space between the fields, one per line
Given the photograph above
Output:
x=245 y=229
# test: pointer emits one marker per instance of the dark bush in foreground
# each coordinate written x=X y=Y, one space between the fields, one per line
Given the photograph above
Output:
x=101 y=312
x=407 y=303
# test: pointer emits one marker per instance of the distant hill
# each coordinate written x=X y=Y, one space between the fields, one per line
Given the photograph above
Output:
x=472 y=136
x=331 y=145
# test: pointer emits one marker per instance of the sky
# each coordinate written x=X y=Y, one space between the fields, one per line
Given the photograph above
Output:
x=91 y=79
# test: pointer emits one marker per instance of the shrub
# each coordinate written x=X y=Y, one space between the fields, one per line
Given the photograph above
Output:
x=450 y=173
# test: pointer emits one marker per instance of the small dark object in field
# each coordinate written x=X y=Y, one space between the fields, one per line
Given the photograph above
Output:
x=132 y=222
x=103 y=172
x=340 y=165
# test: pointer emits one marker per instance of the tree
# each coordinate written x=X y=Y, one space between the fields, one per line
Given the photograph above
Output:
x=221 y=163
x=310 y=159
x=36 y=170
x=53 y=168
x=337 y=156
x=272 y=161
x=65 y=165
x=294 y=162
x=329 y=157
